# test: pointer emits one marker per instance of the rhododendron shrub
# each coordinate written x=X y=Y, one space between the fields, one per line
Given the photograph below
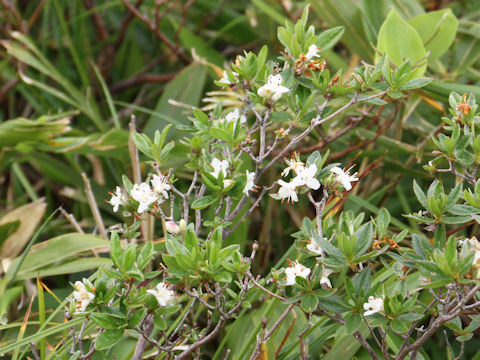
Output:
x=182 y=284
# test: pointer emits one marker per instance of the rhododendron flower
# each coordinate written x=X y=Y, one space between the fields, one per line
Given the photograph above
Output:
x=227 y=183
x=160 y=185
x=294 y=165
x=325 y=280
x=249 y=185
x=314 y=247
x=234 y=115
x=374 y=305
x=164 y=295
x=295 y=269
x=288 y=191
x=172 y=227
x=343 y=177
x=144 y=195
x=273 y=88
x=117 y=199
x=312 y=52
x=82 y=296
x=306 y=176
x=219 y=166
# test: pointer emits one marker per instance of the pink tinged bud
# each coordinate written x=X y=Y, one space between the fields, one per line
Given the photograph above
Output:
x=172 y=227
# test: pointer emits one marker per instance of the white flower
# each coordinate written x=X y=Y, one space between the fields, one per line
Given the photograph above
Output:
x=295 y=269
x=219 y=166
x=306 y=176
x=287 y=191
x=144 y=195
x=476 y=258
x=227 y=183
x=234 y=115
x=164 y=295
x=273 y=88
x=160 y=185
x=82 y=296
x=250 y=184
x=472 y=241
x=172 y=227
x=294 y=165
x=225 y=79
x=312 y=52
x=117 y=199
x=314 y=247
x=374 y=305
x=344 y=177
x=325 y=280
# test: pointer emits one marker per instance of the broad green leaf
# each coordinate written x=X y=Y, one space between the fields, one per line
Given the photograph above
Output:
x=66 y=326
x=415 y=83
x=347 y=14
x=442 y=89
x=309 y=302
x=203 y=202
x=328 y=38
x=437 y=30
x=108 y=339
x=43 y=129
x=400 y=41
x=69 y=267
x=352 y=323
x=186 y=88
x=107 y=321
x=61 y=247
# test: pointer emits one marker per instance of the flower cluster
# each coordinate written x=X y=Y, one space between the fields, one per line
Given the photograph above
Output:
x=344 y=177
x=293 y=271
x=273 y=88
x=305 y=176
x=82 y=297
x=163 y=294
x=373 y=305
x=144 y=193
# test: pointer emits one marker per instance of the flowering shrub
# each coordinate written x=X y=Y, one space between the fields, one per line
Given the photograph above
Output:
x=391 y=290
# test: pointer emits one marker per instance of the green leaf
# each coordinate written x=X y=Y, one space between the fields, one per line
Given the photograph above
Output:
x=328 y=38
x=352 y=323
x=115 y=249
x=399 y=326
x=107 y=321
x=437 y=29
x=451 y=253
x=108 y=339
x=54 y=250
x=400 y=41
x=309 y=302
x=364 y=237
x=416 y=83
x=221 y=134
x=421 y=197
x=160 y=322
x=440 y=236
x=203 y=202
x=187 y=88
x=136 y=318
x=346 y=13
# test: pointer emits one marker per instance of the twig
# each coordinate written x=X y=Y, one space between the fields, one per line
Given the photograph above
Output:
x=34 y=351
x=71 y=219
x=93 y=207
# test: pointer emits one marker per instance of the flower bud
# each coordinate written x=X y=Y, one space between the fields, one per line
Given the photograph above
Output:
x=183 y=225
x=172 y=227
